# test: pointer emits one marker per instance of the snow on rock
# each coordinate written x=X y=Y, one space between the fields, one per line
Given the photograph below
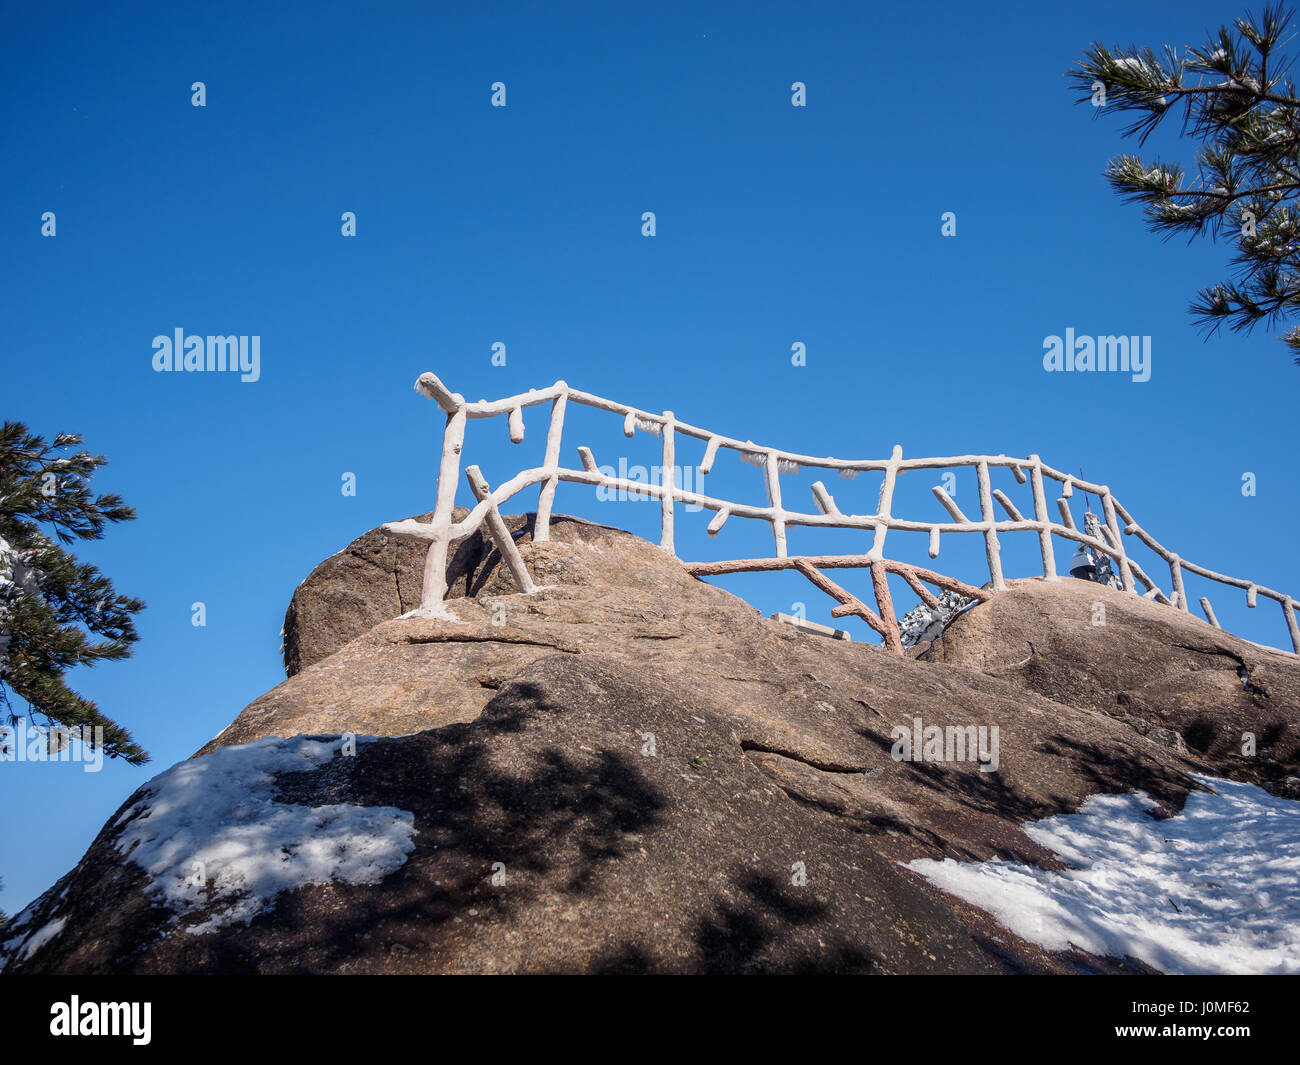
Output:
x=22 y=947
x=1215 y=889
x=211 y=836
x=922 y=624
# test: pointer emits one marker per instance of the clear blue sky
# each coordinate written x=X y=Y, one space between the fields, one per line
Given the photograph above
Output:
x=522 y=225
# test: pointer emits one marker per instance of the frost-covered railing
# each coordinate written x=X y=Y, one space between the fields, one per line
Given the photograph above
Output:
x=441 y=531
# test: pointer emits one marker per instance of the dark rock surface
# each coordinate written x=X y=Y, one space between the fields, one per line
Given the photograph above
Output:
x=654 y=764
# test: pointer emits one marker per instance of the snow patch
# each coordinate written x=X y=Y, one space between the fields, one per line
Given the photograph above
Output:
x=211 y=837
x=29 y=945
x=1215 y=889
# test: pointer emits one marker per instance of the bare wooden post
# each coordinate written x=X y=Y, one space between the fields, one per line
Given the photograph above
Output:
x=772 y=471
x=546 y=497
x=850 y=603
x=1040 y=516
x=1176 y=579
x=667 y=483
x=1125 y=570
x=954 y=511
x=1067 y=519
x=923 y=593
x=434 y=588
x=1288 y=608
x=991 y=548
x=499 y=533
x=885 y=503
x=885 y=604
x=1209 y=613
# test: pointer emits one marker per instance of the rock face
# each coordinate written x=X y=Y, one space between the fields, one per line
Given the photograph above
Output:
x=633 y=771
x=1169 y=675
x=376 y=577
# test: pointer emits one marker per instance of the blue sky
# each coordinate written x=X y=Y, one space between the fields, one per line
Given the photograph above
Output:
x=522 y=225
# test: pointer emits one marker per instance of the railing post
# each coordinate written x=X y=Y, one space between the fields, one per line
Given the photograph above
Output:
x=498 y=531
x=1209 y=613
x=1040 y=516
x=991 y=548
x=1117 y=542
x=885 y=606
x=434 y=588
x=1288 y=608
x=885 y=502
x=1176 y=579
x=546 y=498
x=667 y=483
x=773 y=471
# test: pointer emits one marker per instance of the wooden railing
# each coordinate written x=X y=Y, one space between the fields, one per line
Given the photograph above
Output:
x=441 y=530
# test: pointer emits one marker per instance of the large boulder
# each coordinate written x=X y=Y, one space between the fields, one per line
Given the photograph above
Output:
x=627 y=770
x=1171 y=676
x=378 y=576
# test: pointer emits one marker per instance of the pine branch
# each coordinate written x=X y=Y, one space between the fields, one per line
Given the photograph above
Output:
x=1247 y=171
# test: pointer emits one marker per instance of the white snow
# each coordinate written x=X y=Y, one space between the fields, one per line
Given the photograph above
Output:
x=40 y=937
x=26 y=946
x=16 y=578
x=1133 y=63
x=210 y=835
x=1215 y=889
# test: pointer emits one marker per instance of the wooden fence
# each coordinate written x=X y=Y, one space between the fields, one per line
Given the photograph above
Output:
x=441 y=530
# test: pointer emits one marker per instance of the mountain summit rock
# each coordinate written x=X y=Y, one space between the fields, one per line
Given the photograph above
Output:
x=633 y=771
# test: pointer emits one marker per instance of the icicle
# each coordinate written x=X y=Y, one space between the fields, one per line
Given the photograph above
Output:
x=787 y=466
x=629 y=424
x=934 y=541
x=1250 y=595
x=647 y=426
x=516 y=425
x=848 y=475
x=1067 y=489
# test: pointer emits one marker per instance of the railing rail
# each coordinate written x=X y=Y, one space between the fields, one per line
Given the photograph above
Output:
x=441 y=530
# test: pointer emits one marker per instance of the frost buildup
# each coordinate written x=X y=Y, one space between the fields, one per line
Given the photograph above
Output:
x=923 y=623
x=16 y=579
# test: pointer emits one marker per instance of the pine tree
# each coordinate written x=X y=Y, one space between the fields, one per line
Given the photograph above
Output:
x=55 y=611
x=1247 y=172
